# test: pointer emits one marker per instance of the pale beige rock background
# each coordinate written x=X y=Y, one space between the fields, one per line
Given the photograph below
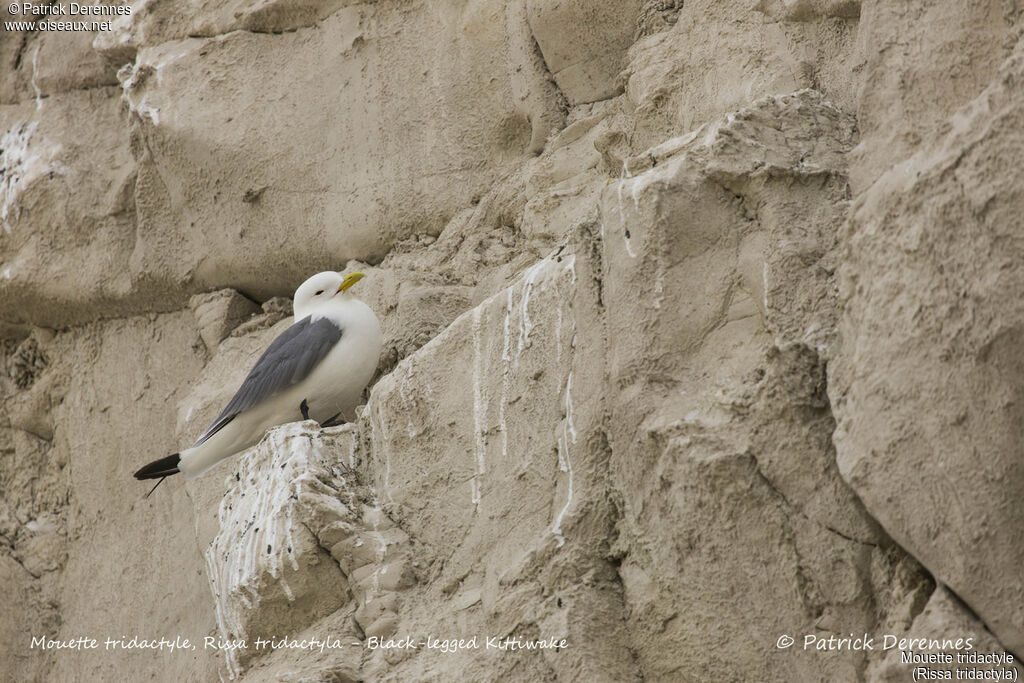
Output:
x=702 y=327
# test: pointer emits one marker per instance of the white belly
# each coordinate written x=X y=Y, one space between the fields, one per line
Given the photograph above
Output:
x=335 y=386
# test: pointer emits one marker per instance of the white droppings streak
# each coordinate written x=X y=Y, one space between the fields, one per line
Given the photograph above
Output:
x=381 y=425
x=505 y=356
x=18 y=168
x=622 y=219
x=569 y=416
x=382 y=544
x=629 y=248
x=376 y=514
x=530 y=283
x=558 y=335
x=408 y=401
x=479 y=406
x=130 y=81
x=44 y=525
x=145 y=110
x=505 y=371
x=660 y=258
x=570 y=265
x=35 y=69
x=352 y=452
x=637 y=185
x=525 y=324
x=223 y=625
x=544 y=276
x=634 y=192
x=764 y=283
x=564 y=463
x=7 y=273
x=256 y=536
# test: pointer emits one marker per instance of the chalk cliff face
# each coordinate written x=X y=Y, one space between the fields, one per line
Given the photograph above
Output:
x=701 y=324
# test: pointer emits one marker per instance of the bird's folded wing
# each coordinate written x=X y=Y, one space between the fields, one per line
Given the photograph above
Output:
x=287 y=361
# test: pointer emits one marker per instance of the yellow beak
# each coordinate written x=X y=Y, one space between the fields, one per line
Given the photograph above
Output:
x=350 y=280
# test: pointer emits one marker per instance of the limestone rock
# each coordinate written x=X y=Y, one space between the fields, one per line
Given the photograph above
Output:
x=917 y=74
x=679 y=80
x=40 y=64
x=809 y=10
x=945 y=619
x=481 y=449
x=218 y=313
x=927 y=283
x=26 y=363
x=31 y=617
x=584 y=45
x=152 y=23
x=275 y=309
x=719 y=422
x=133 y=564
x=269 y=574
x=66 y=213
x=352 y=193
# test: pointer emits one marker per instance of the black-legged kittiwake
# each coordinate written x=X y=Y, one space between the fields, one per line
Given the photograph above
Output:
x=316 y=369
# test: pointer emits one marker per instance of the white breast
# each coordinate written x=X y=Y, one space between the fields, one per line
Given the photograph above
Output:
x=337 y=383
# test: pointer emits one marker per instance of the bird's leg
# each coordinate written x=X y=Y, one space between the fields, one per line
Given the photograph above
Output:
x=154 y=488
x=333 y=422
x=304 y=409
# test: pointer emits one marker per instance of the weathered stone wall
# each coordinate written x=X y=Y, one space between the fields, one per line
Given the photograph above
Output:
x=701 y=329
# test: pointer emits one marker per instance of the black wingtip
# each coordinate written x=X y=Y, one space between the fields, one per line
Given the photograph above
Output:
x=164 y=467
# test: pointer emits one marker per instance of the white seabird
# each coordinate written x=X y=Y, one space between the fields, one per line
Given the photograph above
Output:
x=316 y=369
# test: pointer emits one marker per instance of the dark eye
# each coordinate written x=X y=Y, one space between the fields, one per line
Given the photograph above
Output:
x=319 y=292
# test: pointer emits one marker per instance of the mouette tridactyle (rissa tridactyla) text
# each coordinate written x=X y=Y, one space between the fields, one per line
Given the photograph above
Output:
x=316 y=369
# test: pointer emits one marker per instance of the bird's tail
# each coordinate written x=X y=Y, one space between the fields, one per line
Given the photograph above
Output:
x=164 y=467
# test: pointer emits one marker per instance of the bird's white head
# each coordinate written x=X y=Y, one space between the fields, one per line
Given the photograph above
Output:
x=321 y=289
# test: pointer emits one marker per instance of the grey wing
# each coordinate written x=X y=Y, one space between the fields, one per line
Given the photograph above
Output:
x=287 y=361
